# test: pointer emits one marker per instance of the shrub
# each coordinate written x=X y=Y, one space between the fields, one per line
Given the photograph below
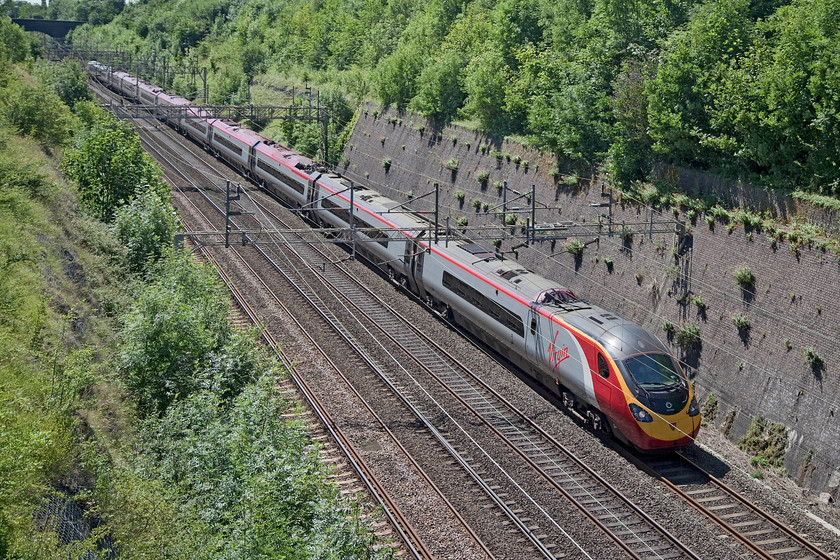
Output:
x=451 y=164
x=699 y=302
x=497 y=154
x=462 y=221
x=691 y=215
x=36 y=113
x=669 y=327
x=526 y=164
x=386 y=164
x=460 y=195
x=574 y=246
x=720 y=214
x=421 y=129
x=510 y=219
x=709 y=409
x=476 y=203
x=688 y=335
x=517 y=159
x=608 y=262
x=500 y=185
x=744 y=276
x=67 y=80
x=145 y=226
x=813 y=359
x=741 y=322
x=177 y=339
x=109 y=165
x=766 y=441
x=482 y=176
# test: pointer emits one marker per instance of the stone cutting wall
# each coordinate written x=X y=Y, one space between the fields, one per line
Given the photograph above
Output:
x=794 y=305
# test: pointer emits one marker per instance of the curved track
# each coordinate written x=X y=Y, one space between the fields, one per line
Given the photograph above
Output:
x=315 y=277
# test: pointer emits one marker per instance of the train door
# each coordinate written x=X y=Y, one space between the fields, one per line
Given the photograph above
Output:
x=312 y=199
x=413 y=270
x=604 y=379
x=252 y=161
x=417 y=258
x=534 y=339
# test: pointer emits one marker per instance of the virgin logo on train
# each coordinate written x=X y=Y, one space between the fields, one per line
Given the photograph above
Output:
x=555 y=354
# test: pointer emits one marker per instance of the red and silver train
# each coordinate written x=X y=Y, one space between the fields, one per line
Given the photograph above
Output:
x=605 y=367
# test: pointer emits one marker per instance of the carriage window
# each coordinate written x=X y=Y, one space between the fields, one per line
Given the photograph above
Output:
x=603 y=367
x=533 y=325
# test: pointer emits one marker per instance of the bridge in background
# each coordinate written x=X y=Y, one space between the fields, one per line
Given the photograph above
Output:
x=54 y=28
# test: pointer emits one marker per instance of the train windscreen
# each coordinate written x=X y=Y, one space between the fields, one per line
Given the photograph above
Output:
x=654 y=371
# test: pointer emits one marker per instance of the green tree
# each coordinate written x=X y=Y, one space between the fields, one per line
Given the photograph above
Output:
x=693 y=62
x=15 y=46
x=146 y=227
x=66 y=79
x=780 y=100
x=109 y=166
x=485 y=81
x=37 y=113
x=440 y=94
x=176 y=340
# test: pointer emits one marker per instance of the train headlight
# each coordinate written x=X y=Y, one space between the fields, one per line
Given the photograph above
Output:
x=693 y=409
x=640 y=413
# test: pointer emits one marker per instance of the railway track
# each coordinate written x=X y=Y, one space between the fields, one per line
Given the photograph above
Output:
x=636 y=534
x=628 y=526
x=329 y=431
x=758 y=531
x=413 y=542
x=523 y=523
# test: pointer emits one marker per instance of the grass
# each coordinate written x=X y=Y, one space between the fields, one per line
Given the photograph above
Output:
x=50 y=281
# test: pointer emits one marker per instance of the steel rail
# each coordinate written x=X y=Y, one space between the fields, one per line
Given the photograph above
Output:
x=621 y=542
x=402 y=525
x=367 y=406
x=410 y=537
x=759 y=548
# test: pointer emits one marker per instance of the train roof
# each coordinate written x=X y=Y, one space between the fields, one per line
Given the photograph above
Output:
x=245 y=135
x=376 y=204
x=621 y=338
x=173 y=99
x=284 y=156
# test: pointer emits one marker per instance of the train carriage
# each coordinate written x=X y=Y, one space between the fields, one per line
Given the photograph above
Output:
x=231 y=142
x=606 y=368
x=282 y=172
